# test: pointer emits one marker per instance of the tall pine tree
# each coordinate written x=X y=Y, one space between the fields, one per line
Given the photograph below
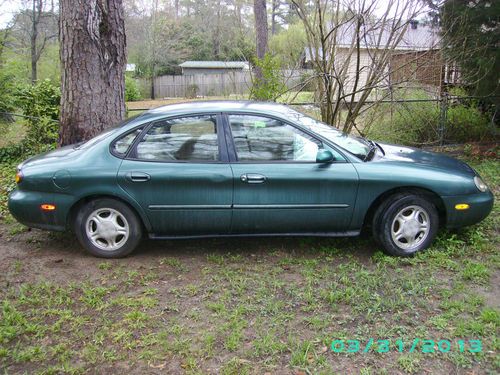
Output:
x=471 y=35
x=93 y=61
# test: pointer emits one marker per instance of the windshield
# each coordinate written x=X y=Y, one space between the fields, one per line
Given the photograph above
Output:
x=355 y=145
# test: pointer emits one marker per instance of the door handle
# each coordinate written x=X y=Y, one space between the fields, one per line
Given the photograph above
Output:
x=138 y=177
x=253 y=178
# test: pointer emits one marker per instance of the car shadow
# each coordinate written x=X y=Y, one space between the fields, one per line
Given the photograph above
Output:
x=360 y=248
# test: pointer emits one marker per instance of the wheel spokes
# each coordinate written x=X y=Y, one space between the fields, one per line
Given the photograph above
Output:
x=410 y=227
x=107 y=229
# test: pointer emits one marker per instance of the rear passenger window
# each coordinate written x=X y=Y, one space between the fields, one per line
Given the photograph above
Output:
x=191 y=138
x=121 y=145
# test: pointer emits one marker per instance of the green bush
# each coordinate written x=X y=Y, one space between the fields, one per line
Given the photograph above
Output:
x=132 y=92
x=7 y=99
x=41 y=104
x=466 y=123
x=419 y=123
x=192 y=91
x=271 y=86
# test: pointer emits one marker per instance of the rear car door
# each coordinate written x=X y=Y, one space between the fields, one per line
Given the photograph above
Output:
x=278 y=185
x=178 y=172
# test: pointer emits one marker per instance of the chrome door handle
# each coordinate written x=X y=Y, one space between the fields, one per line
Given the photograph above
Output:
x=138 y=177
x=253 y=178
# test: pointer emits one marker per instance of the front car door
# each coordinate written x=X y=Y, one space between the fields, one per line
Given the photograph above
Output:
x=178 y=172
x=278 y=185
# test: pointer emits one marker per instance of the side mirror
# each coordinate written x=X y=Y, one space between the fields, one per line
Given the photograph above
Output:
x=324 y=156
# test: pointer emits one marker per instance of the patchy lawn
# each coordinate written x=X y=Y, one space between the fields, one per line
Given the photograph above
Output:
x=237 y=306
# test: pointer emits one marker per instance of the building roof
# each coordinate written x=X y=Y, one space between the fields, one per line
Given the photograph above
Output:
x=215 y=64
x=417 y=37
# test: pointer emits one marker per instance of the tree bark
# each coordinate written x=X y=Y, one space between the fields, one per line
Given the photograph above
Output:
x=261 y=31
x=93 y=60
x=35 y=20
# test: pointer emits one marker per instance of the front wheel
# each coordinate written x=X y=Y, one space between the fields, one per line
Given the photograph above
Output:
x=406 y=224
x=108 y=228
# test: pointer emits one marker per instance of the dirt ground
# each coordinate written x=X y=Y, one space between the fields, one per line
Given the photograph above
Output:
x=238 y=306
x=252 y=306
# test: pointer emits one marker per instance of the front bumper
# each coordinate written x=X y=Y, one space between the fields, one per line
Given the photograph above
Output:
x=25 y=207
x=480 y=206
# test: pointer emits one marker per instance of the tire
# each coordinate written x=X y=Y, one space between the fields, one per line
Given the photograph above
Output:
x=108 y=228
x=405 y=224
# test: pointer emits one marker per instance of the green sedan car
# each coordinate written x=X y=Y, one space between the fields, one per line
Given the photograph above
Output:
x=223 y=168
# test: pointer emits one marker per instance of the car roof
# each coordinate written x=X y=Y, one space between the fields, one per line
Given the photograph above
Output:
x=220 y=106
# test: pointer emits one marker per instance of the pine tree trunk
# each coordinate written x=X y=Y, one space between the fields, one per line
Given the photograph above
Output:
x=93 y=60
x=260 y=13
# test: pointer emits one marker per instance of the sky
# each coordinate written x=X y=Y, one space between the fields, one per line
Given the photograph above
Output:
x=7 y=10
x=9 y=7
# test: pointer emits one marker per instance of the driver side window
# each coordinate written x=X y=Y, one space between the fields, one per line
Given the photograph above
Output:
x=258 y=138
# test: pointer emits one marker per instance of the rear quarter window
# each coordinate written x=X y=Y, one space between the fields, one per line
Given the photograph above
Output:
x=121 y=146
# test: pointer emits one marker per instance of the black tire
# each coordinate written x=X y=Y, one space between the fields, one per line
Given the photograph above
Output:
x=125 y=218
x=385 y=224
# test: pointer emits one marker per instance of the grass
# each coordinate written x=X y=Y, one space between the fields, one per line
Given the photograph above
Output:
x=12 y=132
x=249 y=306
x=274 y=310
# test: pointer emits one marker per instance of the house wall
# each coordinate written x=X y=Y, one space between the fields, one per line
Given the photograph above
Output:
x=424 y=67
x=365 y=63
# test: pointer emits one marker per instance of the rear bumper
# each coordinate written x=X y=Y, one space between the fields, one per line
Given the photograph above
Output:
x=25 y=207
x=480 y=206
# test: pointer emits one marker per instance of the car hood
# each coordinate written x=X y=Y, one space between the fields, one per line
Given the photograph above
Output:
x=424 y=158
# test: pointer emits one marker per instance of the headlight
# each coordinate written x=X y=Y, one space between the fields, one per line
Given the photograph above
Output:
x=19 y=177
x=480 y=184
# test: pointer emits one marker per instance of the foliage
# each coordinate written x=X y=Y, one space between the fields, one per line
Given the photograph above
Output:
x=7 y=99
x=132 y=92
x=192 y=91
x=40 y=103
x=477 y=54
x=465 y=122
x=419 y=123
x=271 y=86
x=158 y=44
x=289 y=45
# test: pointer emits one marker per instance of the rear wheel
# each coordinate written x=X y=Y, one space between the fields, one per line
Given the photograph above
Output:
x=108 y=228
x=405 y=224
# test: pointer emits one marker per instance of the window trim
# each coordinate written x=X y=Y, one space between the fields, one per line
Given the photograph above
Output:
x=232 y=148
x=222 y=157
x=116 y=139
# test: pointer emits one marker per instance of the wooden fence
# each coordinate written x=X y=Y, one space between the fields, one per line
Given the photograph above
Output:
x=225 y=84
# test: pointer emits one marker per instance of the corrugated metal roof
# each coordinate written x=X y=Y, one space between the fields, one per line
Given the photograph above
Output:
x=215 y=64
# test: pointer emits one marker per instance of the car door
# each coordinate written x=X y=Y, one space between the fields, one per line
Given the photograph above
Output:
x=278 y=185
x=178 y=172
